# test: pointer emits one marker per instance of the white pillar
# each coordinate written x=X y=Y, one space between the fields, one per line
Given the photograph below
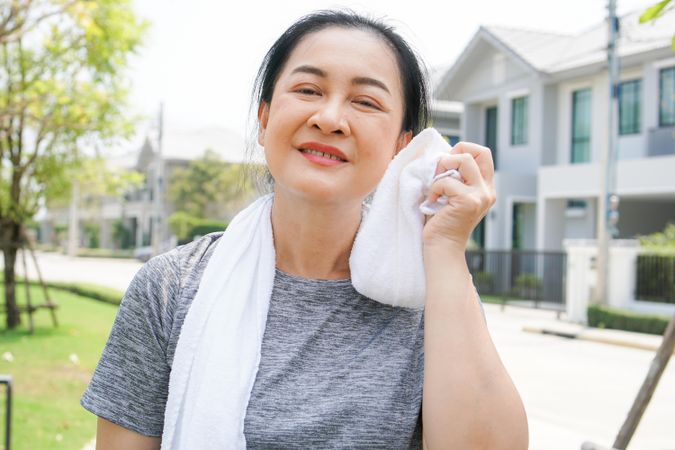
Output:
x=621 y=283
x=550 y=223
x=581 y=278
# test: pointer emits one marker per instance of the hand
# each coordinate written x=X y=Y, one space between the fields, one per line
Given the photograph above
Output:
x=468 y=201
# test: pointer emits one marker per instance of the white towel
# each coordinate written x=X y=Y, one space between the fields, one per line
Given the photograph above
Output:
x=218 y=352
x=386 y=261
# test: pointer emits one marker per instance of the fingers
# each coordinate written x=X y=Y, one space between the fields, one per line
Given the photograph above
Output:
x=482 y=156
x=465 y=164
x=478 y=199
x=449 y=187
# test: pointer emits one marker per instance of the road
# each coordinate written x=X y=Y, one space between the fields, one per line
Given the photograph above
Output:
x=573 y=390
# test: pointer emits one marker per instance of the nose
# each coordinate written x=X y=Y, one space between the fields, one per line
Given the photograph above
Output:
x=330 y=118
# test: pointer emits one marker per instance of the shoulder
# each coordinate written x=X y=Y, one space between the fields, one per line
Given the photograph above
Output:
x=180 y=263
x=164 y=276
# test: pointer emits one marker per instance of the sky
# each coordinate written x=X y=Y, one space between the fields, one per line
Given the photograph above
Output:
x=200 y=56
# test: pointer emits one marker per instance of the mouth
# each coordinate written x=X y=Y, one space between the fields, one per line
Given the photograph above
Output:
x=322 y=151
x=321 y=154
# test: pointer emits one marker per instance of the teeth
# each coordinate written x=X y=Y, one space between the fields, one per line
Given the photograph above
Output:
x=323 y=154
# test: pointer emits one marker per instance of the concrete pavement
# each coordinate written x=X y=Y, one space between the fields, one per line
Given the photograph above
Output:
x=578 y=390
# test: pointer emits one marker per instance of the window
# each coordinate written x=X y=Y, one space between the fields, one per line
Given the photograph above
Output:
x=629 y=107
x=581 y=126
x=519 y=121
x=667 y=97
x=577 y=204
x=491 y=132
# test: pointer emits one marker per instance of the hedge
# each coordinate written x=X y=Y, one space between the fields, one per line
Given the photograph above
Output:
x=605 y=317
x=92 y=291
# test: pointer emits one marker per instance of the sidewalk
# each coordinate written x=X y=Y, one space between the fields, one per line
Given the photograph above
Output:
x=578 y=384
x=569 y=330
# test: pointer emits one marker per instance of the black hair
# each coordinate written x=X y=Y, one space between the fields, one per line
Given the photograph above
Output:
x=411 y=71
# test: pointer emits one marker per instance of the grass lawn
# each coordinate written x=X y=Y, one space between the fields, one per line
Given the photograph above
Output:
x=48 y=379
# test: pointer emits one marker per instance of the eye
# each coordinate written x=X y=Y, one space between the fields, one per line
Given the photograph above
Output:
x=367 y=103
x=307 y=91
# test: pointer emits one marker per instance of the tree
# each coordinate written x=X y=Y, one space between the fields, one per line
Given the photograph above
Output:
x=204 y=188
x=63 y=94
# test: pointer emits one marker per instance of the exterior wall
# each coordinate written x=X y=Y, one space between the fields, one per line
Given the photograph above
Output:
x=511 y=189
x=549 y=112
x=634 y=177
x=581 y=224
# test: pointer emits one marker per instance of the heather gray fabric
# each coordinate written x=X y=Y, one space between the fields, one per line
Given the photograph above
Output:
x=338 y=370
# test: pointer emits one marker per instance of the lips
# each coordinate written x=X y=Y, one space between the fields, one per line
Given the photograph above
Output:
x=324 y=148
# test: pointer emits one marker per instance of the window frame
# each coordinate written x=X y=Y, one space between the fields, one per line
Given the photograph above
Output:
x=519 y=110
x=635 y=126
x=577 y=140
x=662 y=122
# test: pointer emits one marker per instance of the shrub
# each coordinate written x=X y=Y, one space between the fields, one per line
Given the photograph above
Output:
x=484 y=282
x=186 y=227
x=601 y=316
x=208 y=226
x=527 y=285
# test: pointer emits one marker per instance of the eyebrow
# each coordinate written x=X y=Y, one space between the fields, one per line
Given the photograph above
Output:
x=358 y=80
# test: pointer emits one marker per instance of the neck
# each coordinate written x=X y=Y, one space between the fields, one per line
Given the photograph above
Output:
x=314 y=240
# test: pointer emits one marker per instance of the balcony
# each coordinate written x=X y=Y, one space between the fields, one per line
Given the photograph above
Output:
x=661 y=141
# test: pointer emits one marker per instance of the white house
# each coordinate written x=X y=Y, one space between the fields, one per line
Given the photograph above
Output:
x=136 y=210
x=539 y=100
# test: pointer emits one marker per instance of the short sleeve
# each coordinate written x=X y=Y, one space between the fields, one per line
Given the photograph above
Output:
x=130 y=384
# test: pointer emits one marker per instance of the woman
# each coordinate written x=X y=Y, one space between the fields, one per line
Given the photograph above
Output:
x=338 y=96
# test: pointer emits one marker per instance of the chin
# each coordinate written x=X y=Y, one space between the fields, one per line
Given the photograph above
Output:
x=319 y=192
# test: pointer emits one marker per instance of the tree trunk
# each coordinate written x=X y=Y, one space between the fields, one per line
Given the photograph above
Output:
x=11 y=237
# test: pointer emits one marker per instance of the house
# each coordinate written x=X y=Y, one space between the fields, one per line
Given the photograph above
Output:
x=137 y=209
x=540 y=100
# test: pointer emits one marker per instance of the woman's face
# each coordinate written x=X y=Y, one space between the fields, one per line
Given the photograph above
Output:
x=339 y=93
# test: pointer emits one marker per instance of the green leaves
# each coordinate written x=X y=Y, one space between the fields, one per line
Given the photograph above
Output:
x=206 y=185
x=63 y=92
x=655 y=11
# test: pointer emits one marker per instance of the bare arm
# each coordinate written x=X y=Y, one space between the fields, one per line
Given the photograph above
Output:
x=113 y=437
x=469 y=400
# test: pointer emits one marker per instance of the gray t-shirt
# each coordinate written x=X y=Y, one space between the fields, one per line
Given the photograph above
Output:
x=337 y=369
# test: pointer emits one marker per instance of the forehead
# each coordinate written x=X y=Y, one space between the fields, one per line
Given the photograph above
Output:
x=349 y=52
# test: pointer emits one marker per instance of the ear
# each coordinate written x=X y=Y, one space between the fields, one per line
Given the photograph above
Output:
x=263 y=116
x=403 y=140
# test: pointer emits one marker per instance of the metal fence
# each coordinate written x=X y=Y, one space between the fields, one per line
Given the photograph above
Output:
x=526 y=277
x=655 y=278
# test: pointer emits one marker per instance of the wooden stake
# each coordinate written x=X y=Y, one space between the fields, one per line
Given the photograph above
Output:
x=656 y=369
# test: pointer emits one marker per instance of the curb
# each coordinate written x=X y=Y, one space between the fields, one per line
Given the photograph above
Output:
x=637 y=341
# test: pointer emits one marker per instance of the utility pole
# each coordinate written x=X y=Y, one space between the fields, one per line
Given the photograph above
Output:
x=157 y=221
x=608 y=204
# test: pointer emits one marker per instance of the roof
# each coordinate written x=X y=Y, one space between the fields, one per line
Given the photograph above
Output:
x=554 y=52
x=548 y=53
